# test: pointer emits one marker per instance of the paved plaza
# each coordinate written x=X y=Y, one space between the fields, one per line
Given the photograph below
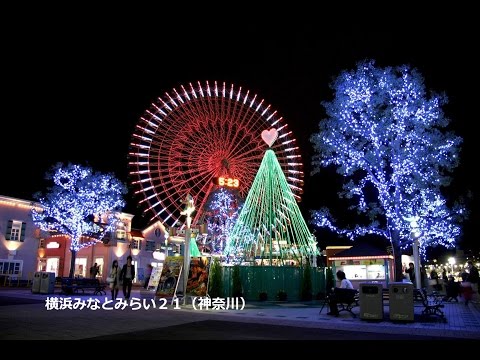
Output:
x=24 y=316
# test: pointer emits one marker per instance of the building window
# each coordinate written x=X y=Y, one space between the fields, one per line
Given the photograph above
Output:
x=150 y=245
x=99 y=261
x=14 y=267
x=53 y=265
x=136 y=244
x=121 y=231
x=42 y=265
x=15 y=233
x=15 y=230
x=80 y=267
x=120 y=234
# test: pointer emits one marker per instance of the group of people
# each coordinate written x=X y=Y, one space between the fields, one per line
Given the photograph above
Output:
x=467 y=288
x=122 y=277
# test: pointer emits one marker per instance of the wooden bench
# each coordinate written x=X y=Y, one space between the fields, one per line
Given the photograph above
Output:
x=74 y=285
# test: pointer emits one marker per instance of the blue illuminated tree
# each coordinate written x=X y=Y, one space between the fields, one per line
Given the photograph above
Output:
x=81 y=204
x=222 y=213
x=391 y=142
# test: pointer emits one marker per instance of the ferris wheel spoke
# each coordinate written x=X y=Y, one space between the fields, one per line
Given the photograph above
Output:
x=200 y=131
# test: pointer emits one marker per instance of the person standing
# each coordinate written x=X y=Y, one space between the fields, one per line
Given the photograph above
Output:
x=126 y=276
x=94 y=271
x=466 y=288
x=452 y=289
x=411 y=272
x=435 y=281
x=444 y=275
x=114 y=278
x=473 y=277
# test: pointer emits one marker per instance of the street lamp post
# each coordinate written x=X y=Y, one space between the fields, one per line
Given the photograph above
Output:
x=189 y=209
x=416 y=260
x=166 y=244
x=416 y=249
x=186 y=263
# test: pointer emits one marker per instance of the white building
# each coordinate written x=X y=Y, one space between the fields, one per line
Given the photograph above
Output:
x=19 y=239
x=24 y=249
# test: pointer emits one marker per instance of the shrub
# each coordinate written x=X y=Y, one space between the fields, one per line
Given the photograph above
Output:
x=306 y=288
x=329 y=280
x=263 y=296
x=237 y=290
x=215 y=288
x=281 y=295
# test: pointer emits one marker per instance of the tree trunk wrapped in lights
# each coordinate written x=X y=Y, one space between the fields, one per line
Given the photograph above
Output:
x=389 y=139
x=81 y=205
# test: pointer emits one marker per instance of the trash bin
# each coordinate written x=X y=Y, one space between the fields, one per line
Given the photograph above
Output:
x=37 y=278
x=47 y=283
x=401 y=301
x=371 y=301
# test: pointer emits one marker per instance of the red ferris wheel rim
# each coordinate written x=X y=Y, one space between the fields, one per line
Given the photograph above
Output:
x=191 y=136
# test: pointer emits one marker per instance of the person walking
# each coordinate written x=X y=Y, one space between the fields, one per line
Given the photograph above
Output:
x=126 y=276
x=114 y=279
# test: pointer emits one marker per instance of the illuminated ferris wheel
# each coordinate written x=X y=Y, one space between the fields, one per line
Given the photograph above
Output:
x=198 y=134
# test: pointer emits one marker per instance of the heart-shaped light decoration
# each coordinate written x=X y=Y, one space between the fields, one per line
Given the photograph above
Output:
x=269 y=136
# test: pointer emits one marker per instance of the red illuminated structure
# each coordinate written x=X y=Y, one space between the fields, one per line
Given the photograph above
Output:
x=201 y=132
x=226 y=181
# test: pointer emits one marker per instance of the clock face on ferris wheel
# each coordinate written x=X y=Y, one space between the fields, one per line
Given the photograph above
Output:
x=199 y=137
x=226 y=181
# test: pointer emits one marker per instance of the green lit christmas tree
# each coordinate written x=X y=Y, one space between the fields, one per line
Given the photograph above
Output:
x=270 y=229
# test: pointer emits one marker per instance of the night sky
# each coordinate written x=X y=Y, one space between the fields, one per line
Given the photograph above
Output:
x=73 y=93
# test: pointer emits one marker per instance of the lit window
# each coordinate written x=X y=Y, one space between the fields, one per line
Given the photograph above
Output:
x=15 y=234
x=120 y=234
x=15 y=231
